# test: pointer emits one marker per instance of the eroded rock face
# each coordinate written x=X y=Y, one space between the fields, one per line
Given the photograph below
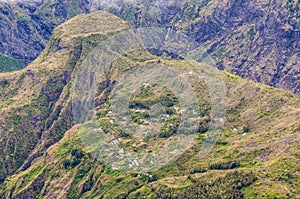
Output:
x=52 y=90
x=25 y=28
x=19 y=39
x=258 y=40
x=255 y=40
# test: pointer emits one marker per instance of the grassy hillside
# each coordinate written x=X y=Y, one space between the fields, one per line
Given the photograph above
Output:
x=8 y=64
x=256 y=156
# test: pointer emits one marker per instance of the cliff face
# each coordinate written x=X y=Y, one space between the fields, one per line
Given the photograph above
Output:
x=26 y=27
x=254 y=39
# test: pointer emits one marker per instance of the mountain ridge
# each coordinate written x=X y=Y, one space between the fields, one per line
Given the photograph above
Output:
x=259 y=140
x=256 y=40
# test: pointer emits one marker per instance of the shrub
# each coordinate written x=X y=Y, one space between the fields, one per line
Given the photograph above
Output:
x=66 y=163
x=78 y=153
x=224 y=165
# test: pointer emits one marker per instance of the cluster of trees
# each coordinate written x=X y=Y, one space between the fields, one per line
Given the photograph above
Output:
x=224 y=165
x=76 y=156
x=8 y=64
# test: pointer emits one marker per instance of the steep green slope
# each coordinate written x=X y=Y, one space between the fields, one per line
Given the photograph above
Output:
x=261 y=163
x=35 y=104
x=256 y=156
x=8 y=64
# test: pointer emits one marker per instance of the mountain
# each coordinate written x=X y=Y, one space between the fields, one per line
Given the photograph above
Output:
x=26 y=26
x=44 y=112
x=257 y=40
x=45 y=155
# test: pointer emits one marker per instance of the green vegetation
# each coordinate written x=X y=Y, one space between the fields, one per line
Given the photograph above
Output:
x=76 y=156
x=256 y=156
x=224 y=165
x=228 y=186
x=8 y=64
